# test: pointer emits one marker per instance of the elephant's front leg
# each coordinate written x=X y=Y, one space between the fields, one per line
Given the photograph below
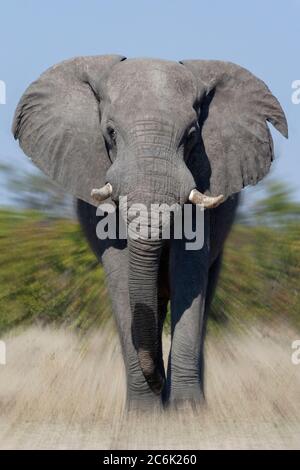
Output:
x=139 y=395
x=188 y=278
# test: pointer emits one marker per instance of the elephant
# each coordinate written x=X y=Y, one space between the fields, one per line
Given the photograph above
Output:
x=192 y=133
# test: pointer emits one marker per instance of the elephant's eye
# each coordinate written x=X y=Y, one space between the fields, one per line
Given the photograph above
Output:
x=191 y=139
x=112 y=134
x=110 y=138
x=191 y=134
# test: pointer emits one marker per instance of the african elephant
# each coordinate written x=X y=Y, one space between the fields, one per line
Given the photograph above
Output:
x=193 y=132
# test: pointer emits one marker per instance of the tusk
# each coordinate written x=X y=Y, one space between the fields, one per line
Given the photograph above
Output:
x=99 y=195
x=208 y=202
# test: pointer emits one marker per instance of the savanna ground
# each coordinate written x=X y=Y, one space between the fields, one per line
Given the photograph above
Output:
x=60 y=392
x=63 y=385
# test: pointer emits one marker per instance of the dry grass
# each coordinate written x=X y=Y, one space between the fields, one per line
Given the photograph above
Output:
x=58 y=391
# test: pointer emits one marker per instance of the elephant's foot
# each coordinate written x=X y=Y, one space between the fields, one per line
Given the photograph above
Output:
x=188 y=396
x=140 y=397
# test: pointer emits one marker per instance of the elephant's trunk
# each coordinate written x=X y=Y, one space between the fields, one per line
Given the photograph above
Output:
x=144 y=256
x=155 y=177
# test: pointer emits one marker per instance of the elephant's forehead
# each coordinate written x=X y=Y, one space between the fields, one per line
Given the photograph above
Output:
x=151 y=80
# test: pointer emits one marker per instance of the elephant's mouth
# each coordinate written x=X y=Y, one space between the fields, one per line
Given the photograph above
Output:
x=195 y=196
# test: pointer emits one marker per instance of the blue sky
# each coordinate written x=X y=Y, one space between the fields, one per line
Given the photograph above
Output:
x=263 y=36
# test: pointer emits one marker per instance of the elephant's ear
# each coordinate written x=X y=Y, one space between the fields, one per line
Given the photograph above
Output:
x=237 y=143
x=57 y=122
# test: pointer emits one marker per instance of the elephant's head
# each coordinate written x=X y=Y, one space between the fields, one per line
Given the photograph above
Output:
x=157 y=132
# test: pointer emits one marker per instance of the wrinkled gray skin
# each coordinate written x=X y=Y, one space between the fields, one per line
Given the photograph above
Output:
x=154 y=130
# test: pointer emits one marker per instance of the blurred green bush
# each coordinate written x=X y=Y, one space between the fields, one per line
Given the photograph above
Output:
x=49 y=274
x=260 y=278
